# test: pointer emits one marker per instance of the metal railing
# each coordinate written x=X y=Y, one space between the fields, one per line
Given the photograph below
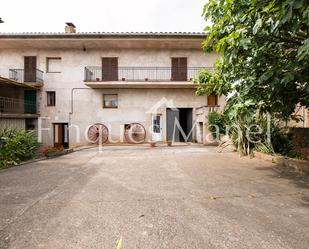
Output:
x=21 y=75
x=17 y=106
x=206 y=109
x=95 y=73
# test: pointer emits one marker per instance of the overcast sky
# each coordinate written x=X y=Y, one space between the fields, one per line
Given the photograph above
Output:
x=102 y=15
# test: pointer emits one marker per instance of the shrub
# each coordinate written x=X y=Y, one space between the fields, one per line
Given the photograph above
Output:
x=216 y=124
x=281 y=140
x=17 y=145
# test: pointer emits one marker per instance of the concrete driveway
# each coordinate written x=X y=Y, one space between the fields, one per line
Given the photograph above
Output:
x=179 y=197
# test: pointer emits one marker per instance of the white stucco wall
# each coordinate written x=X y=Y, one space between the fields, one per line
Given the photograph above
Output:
x=133 y=103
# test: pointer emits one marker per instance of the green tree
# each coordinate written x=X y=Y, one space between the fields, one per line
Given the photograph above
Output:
x=264 y=53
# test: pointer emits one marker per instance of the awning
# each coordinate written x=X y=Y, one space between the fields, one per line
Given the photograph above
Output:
x=9 y=82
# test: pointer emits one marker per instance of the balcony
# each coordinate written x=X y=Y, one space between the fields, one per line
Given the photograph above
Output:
x=12 y=106
x=202 y=112
x=34 y=78
x=141 y=77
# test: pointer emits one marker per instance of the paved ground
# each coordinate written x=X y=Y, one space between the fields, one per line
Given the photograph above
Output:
x=179 y=197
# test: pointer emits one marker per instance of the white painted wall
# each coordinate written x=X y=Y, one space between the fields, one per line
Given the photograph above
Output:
x=133 y=103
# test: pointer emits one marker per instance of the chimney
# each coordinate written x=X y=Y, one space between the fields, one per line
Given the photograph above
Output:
x=70 y=28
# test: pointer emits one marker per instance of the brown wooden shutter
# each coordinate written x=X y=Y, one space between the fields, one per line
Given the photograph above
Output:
x=183 y=69
x=30 y=69
x=179 y=69
x=109 y=68
x=105 y=69
x=174 y=69
x=114 y=68
x=212 y=100
x=58 y=135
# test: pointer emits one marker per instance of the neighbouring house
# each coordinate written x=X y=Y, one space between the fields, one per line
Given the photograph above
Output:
x=304 y=114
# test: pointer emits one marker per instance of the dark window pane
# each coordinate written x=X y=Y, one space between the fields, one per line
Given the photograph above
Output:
x=51 y=98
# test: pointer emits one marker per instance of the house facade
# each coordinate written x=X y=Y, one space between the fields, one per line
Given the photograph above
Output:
x=82 y=88
x=82 y=80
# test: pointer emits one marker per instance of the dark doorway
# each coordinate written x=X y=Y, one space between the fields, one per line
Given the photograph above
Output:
x=31 y=123
x=30 y=69
x=179 y=120
x=61 y=135
x=30 y=101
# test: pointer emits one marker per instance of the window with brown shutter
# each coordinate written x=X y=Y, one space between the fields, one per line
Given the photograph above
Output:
x=212 y=100
x=30 y=69
x=109 y=69
x=179 y=69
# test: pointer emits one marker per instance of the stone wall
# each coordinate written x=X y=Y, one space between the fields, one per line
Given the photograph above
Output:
x=300 y=140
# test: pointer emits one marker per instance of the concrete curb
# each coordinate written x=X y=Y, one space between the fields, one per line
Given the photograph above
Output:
x=68 y=151
x=60 y=153
x=298 y=165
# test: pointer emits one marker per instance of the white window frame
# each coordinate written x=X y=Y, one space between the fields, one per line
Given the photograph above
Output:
x=48 y=59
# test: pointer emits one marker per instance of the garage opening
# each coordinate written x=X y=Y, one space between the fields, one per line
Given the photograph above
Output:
x=179 y=124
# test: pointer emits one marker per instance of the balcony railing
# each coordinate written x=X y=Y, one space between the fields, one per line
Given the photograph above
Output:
x=206 y=109
x=23 y=76
x=94 y=73
x=17 y=106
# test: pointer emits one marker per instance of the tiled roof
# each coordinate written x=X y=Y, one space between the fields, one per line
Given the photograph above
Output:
x=102 y=34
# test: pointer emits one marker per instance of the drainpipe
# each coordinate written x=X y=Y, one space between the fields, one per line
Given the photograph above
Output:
x=72 y=100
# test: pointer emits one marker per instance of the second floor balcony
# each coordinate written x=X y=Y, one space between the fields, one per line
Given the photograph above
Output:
x=9 y=106
x=145 y=75
x=32 y=77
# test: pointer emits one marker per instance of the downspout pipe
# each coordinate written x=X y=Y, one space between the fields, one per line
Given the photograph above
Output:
x=72 y=100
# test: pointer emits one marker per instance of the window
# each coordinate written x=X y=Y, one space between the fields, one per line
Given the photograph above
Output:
x=212 y=100
x=53 y=65
x=51 y=98
x=110 y=101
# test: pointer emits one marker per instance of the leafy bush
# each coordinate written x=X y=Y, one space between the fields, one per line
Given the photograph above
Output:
x=241 y=115
x=17 y=145
x=216 y=124
x=266 y=135
x=281 y=140
x=294 y=154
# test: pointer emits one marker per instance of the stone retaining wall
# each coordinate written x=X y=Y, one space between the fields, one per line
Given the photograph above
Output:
x=300 y=140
